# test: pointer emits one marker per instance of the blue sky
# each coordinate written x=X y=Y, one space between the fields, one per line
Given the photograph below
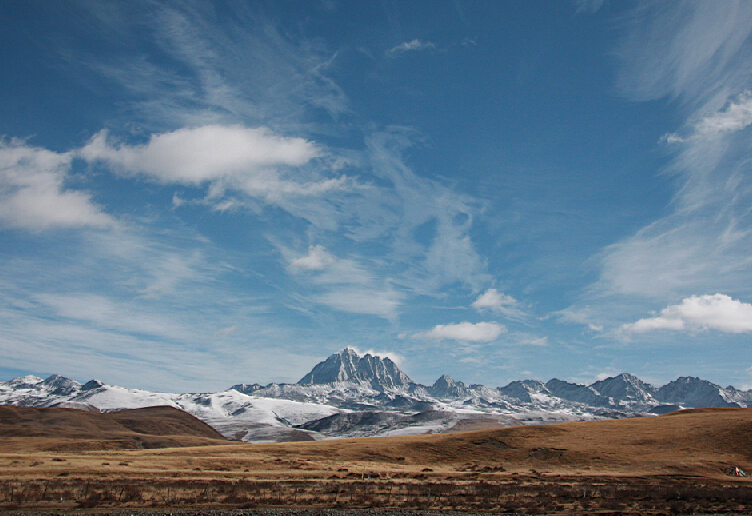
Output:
x=197 y=194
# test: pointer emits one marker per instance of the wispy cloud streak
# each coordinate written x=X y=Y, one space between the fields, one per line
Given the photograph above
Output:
x=701 y=54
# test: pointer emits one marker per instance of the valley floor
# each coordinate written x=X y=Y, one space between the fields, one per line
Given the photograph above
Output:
x=407 y=496
x=673 y=464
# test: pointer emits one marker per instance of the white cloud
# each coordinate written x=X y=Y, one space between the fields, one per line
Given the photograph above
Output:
x=704 y=244
x=685 y=48
x=239 y=166
x=108 y=314
x=701 y=53
x=671 y=138
x=493 y=300
x=212 y=60
x=363 y=299
x=499 y=302
x=534 y=341
x=344 y=284
x=717 y=312
x=465 y=331
x=317 y=259
x=33 y=195
x=207 y=153
x=736 y=116
x=410 y=46
x=447 y=255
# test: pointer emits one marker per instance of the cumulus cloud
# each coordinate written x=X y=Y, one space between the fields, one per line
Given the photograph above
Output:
x=494 y=300
x=410 y=46
x=709 y=312
x=736 y=116
x=498 y=302
x=33 y=195
x=238 y=166
x=465 y=332
x=317 y=259
x=207 y=153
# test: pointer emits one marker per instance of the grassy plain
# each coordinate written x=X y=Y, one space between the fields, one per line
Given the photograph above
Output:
x=659 y=465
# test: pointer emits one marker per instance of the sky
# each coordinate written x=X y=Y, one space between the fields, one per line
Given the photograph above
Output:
x=199 y=194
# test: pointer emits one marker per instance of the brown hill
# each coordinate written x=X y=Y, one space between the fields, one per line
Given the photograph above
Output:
x=153 y=427
x=691 y=443
x=672 y=464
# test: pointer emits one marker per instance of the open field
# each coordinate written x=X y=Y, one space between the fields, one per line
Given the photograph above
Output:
x=668 y=464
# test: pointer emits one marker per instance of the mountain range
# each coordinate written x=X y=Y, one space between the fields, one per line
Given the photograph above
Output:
x=349 y=395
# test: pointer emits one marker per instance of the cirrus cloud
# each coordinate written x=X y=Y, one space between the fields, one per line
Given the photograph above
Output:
x=717 y=312
x=410 y=46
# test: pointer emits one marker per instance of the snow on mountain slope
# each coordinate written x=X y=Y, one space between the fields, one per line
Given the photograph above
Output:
x=230 y=410
x=348 y=366
x=693 y=392
x=268 y=411
x=371 y=396
x=446 y=387
x=579 y=393
x=626 y=389
x=108 y=398
x=254 y=419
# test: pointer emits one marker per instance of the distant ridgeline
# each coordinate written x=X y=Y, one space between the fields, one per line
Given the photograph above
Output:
x=323 y=402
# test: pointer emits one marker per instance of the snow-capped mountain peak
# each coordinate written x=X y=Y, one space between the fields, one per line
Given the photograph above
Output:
x=524 y=390
x=61 y=385
x=91 y=385
x=369 y=395
x=446 y=387
x=347 y=366
x=694 y=392
x=626 y=387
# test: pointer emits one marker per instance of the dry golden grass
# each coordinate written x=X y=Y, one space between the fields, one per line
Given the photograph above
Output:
x=471 y=469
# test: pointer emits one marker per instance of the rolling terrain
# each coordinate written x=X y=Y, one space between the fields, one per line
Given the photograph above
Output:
x=668 y=463
x=57 y=429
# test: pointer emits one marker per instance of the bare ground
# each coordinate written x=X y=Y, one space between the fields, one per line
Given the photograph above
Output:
x=671 y=464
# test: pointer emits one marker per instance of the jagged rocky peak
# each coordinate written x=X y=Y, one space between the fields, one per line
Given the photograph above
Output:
x=60 y=385
x=247 y=389
x=523 y=389
x=576 y=392
x=91 y=385
x=625 y=387
x=25 y=382
x=447 y=387
x=694 y=392
x=348 y=366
